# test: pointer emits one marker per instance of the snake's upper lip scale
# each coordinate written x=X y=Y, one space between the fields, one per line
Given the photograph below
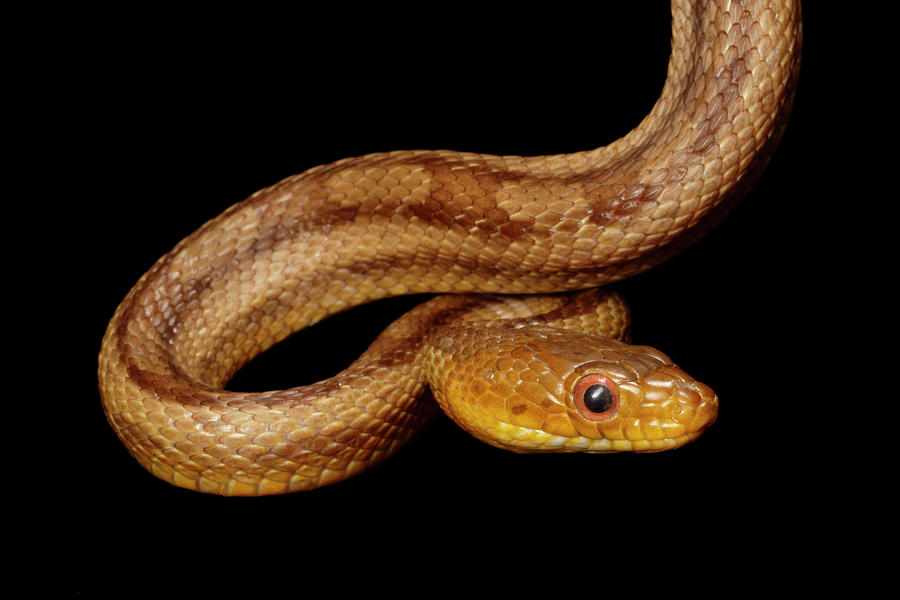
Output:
x=537 y=439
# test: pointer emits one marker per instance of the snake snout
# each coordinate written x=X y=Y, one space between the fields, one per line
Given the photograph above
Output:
x=674 y=406
x=696 y=405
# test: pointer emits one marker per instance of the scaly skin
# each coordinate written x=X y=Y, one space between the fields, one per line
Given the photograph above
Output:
x=406 y=222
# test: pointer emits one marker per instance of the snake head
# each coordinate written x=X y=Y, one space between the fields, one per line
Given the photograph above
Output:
x=546 y=389
x=631 y=397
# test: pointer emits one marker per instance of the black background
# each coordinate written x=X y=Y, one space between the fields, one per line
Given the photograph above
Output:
x=162 y=121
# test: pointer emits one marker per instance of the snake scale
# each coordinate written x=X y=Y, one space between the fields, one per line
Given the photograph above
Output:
x=507 y=352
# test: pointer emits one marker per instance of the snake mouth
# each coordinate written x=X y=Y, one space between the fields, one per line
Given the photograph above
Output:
x=524 y=439
x=642 y=446
x=647 y=446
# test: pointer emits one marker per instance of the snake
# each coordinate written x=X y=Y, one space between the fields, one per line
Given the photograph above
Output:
x=523 y=343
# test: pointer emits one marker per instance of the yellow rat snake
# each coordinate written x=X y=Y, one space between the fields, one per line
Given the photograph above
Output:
x=529 y=373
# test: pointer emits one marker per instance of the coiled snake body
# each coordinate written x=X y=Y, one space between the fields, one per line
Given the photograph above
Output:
x=528 y=373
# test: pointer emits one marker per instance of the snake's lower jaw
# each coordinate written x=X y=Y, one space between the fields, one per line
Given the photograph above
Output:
x=654 y=437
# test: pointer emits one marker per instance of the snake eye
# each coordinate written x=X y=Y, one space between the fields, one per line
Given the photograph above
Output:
x=596 y=398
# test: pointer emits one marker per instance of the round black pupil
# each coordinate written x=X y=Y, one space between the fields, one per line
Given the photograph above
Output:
x=597 y=398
